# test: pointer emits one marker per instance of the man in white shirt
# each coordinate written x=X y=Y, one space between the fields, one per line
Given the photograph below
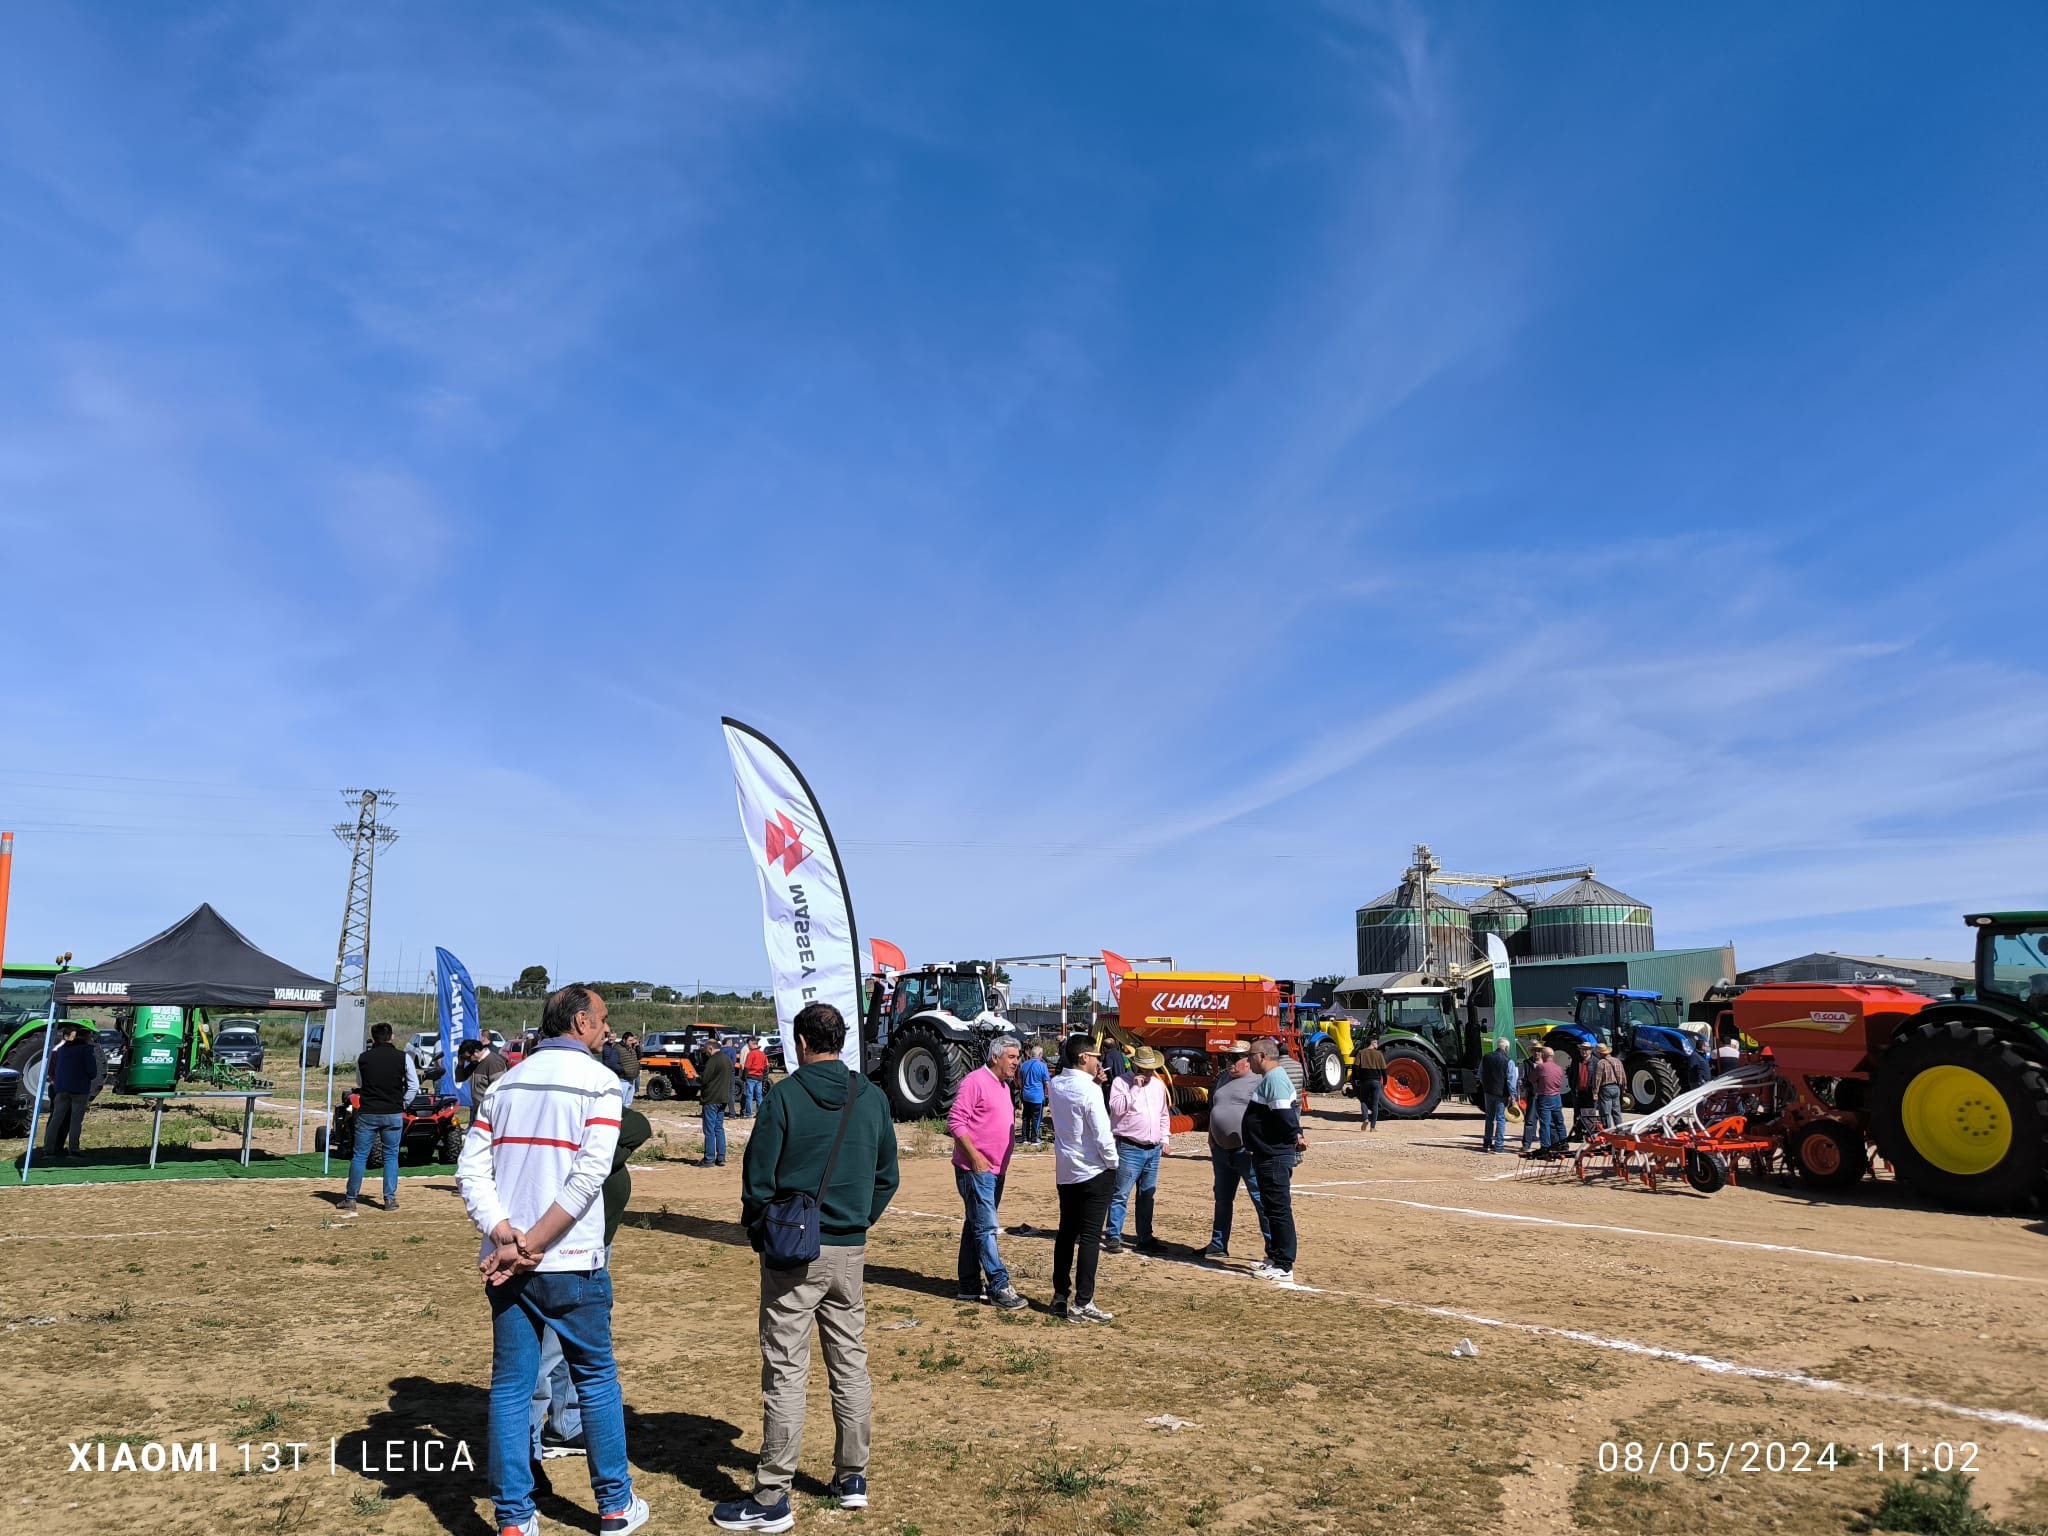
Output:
x=532 y=1173
x=1085 y=1169
x=1138 y=1117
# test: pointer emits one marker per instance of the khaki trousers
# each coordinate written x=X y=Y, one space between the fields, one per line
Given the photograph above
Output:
x=827 y=1291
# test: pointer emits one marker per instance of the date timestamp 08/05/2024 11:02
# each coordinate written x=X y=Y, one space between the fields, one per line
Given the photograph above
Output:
x=1709 y=1458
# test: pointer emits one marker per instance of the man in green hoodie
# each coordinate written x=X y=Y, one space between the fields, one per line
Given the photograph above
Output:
x=786 y=1155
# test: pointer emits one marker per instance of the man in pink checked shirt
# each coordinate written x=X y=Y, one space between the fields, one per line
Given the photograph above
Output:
x=1138 y=1118
x=983 y=1121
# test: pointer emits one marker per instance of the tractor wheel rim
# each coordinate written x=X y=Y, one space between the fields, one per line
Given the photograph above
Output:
x=1407 y=1083
x=920 y=1074
x=1821 y=1155
x=1957 y=1119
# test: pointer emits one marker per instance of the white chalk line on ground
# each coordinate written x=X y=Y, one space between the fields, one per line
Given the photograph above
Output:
x=1682 y=1237
x=1710 y=1364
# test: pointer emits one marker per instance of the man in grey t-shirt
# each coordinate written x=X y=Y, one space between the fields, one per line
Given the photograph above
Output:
x=1227 y=1155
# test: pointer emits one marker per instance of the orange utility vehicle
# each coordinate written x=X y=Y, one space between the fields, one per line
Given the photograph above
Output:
x=1193 y=1017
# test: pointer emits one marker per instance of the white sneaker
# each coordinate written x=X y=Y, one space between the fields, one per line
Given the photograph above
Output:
x=1280 y=1276
x=627 y=1520
x=1263 y=1270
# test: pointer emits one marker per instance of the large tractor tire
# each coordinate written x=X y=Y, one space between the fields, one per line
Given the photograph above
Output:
x=27 y=1059
x=1325 y=1068
x=660 y=1089
x=1297 y=1074
x=1829 y=1155
x=1415 y=1083
x=1652 y=1082
x=1962 y=1116
x=921 y=1073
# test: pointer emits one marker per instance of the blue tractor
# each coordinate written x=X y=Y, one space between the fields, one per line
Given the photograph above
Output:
x=1662 y=1058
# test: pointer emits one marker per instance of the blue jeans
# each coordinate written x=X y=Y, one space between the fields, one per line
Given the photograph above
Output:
x=554 y=1404
x=1231 y=1167
x=1549 y=1110
x=714 y=1132
x=1372 y=1094
x=1495 y=1137
x=1135 y=1167
x=577 y=1304
x=981 y=1193
x=1034 y=1121
x=371 y=1128
x=627 y=1088
x=1610 y=1106
x=751 y=1098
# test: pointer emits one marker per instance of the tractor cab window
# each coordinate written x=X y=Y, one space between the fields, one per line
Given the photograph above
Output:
x=2016 y=965
x=1638 y=1011
x=23 y=998
x=1597 y=1015
x=1423 y=1014
x=910 y=997
x=962 y=995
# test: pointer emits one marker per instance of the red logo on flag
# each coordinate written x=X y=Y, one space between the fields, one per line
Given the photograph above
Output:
x=786 y=842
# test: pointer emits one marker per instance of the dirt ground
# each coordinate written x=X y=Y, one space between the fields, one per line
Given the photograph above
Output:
x=238 y=1313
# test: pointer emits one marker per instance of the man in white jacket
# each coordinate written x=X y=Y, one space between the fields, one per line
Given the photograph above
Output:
x=532 y=1171
x=1085 y=1168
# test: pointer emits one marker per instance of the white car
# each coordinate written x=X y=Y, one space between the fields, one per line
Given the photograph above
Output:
x=425 y=1051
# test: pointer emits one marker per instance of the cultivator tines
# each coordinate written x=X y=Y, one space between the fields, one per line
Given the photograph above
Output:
x=1696 y=1137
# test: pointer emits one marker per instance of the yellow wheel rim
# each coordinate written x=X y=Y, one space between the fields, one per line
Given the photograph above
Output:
x=1957 y=1119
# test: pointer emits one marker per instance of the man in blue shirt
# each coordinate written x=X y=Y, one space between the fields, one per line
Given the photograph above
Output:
x=1032 y=1081
x=74 y=1066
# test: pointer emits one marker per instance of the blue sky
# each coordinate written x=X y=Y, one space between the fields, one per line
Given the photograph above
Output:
x=1149 y=464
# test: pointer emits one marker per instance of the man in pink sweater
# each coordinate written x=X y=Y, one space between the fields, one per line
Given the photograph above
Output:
x=983 y=1122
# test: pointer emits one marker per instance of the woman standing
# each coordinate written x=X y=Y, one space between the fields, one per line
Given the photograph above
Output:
x=1084 y=1155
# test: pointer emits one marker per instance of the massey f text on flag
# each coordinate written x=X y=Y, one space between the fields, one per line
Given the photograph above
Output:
x=806 y=914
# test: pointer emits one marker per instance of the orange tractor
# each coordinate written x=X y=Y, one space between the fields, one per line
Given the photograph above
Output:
x=1193 y=1017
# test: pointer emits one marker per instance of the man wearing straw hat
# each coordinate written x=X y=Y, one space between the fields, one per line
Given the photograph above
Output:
x=1138 y=1119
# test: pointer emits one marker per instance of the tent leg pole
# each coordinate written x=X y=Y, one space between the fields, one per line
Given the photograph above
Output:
x=35 y=1109
x=305 y=1028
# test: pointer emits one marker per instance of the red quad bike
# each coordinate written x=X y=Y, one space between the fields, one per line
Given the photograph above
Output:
x=433 y=1131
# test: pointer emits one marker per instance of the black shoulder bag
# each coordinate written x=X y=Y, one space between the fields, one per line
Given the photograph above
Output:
x=789 y=1239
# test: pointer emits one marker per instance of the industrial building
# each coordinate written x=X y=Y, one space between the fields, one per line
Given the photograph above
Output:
x=1544 y=988
x=1933 y=977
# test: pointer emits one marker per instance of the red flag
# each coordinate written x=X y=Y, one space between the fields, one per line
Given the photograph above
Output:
x=887 y=954
x=1118 y=965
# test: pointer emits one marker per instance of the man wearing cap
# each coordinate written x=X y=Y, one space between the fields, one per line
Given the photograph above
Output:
x=1227 y=1152
x=1138 y=1120
x=1609 y=1078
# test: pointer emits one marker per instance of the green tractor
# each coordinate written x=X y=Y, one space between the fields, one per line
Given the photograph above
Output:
x=27 y=1013
x=1959 y=1097
x=1427 y=1030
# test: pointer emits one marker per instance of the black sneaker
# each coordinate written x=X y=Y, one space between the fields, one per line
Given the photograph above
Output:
x=851 y=1491
x=1112 y=1245
x=1008 y=1299
x=1215 y=1252
x=1150 y=1245
x=970 y=1298
x=1059 y=1306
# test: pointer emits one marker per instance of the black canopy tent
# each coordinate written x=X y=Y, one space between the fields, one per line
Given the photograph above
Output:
x=200 y=961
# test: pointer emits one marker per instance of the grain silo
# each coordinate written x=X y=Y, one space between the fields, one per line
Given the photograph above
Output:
x=1501 y=912
x=1390 y=932
x=1589 y=918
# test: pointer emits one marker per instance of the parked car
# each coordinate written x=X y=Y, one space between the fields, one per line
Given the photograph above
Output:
x=316 y=1034
x=425 y=1051
x=239 y=1043
x=113 y=1052
x=495 y=1040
